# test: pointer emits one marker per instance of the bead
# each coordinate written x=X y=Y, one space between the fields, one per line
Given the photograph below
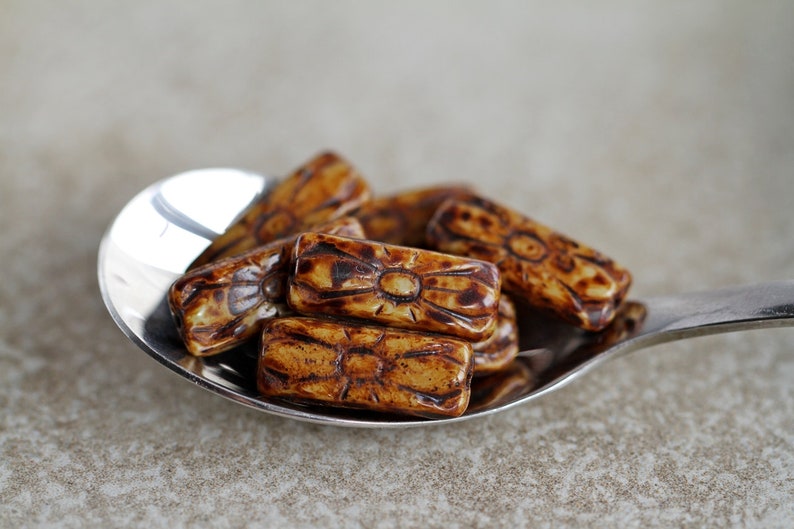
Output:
x=222 y=304
x=394 y=285
x=540 y=266
x=402 y=218
x=501 y=347
x=356 y=366
x=325 y=188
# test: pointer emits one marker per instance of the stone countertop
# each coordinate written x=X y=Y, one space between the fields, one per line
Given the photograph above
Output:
x=660 y=134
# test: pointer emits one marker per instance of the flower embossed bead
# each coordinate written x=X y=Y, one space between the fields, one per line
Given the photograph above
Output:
x=394 y=285
x=501 y=347
x=324 y=188
x=348 y=365
x=540 y=266
x=222 y=304
x=402 y=218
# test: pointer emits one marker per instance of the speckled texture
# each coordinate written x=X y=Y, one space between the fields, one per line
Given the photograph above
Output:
x=661 y=134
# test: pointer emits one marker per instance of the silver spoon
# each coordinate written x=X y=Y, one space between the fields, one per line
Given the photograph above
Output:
x=160 y=231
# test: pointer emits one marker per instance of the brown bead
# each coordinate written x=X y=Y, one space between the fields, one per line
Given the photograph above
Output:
x=501 y=347
x=355 y=366
x=343 y=226
x=402 y=218
x=326 y=187
x=222 y=304
x=394 y=285
x=544 y=268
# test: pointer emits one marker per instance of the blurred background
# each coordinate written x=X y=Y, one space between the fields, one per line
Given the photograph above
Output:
x=568 y=112
x=661 y=133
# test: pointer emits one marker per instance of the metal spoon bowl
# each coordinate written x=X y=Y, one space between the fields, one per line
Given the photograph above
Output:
x=160 y=231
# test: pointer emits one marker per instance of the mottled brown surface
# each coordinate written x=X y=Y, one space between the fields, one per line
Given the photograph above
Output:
x=501 y=347
x=660 y=132
x=219 y=305
x=393 y=285
x=365 y=367
x=539 y=265
x=323 y=188
x=222 y=304
x=402 y=218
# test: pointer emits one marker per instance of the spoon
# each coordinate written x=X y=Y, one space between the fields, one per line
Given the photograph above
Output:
x=160 y=231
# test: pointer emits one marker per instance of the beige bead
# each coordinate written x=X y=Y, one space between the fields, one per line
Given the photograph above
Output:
x=402 y=218
x=501 y=347
x=394 y=285
x=324 y=188
x=365 y=367
x=222 y=304
x=540 y=266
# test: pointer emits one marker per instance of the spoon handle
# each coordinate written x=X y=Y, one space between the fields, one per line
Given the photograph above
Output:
x=725 y=310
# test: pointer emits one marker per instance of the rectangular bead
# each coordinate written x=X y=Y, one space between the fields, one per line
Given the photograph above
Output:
x=402 y=218
x=394 y=285
x=324 y=188
x=539 y=265
x=355 y=366
x=501 y=347
x=222 y=304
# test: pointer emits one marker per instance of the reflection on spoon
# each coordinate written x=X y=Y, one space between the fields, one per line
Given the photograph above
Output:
x=550 y=350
